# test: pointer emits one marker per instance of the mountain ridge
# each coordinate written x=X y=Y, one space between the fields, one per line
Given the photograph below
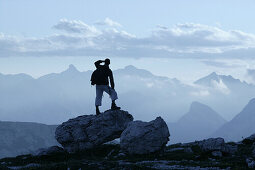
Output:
x=198 y=123
x=242 y=125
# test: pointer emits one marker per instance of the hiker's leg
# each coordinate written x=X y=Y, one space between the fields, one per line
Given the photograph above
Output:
x=112 y=93
x=99 y=95
x=98 y=100
x=114 y=96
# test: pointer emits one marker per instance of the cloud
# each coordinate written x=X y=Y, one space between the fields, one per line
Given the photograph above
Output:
x=223 y=64
x=183 y=40
x=197 y=37
x=76 y=26
x=200 y=93
x=251 y=73
x=220 y=86
x=108 y=22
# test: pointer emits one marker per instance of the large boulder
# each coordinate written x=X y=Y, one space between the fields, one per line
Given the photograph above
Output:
x=88 y=131
x=144 y=137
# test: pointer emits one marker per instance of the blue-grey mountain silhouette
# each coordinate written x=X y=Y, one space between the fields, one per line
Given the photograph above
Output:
x=241 y=126
x=197 y=124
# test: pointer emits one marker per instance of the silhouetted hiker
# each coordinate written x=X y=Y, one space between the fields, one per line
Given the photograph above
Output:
x=100 y=77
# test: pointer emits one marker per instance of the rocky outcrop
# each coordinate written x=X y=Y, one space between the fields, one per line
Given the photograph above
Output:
x=88 y=131
x=144 y=137
x=214 y=144
x=249 y=140
x=49 y=151
x=211 y=144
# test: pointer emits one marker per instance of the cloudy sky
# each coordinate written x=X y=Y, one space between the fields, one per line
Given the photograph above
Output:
x=182 y=39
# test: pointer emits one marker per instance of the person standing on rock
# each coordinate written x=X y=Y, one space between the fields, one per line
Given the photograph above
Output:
x=100 y=77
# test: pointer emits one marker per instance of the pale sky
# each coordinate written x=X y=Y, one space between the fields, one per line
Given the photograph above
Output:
x=182 y=39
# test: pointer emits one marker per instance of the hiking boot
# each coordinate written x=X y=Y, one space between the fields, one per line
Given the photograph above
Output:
x=115 y=107
x=97 y=111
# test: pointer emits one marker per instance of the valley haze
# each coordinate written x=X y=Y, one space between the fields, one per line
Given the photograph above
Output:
x=56 y=97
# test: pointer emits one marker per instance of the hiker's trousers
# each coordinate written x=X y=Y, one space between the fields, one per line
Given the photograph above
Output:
x=100 y=89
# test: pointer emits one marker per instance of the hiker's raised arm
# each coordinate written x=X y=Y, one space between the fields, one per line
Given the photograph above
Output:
x=98 y=62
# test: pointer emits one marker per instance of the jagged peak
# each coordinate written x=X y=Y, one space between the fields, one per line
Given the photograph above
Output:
x=71 y=69
x=201 y=113
x=194 y=105
x=130 y=69
x=213 y=76
x=216 y=77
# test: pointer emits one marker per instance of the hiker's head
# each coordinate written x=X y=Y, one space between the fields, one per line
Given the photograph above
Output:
x=107 y=61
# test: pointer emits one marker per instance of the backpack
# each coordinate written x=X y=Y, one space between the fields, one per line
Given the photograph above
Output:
x=96 y=76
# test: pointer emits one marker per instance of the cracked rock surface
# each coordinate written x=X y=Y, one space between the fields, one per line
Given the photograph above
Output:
x=89 y=131
x=144 y=137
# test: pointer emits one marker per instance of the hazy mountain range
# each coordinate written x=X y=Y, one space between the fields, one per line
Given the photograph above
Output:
x=241 y=126
x=197 y=124
x=25 y=137
x=56 y=97
x=200 y=122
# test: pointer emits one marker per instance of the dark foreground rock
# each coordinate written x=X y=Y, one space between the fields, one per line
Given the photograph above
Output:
x=49 y=151
x=144 y=137
x=214 y=144
x=89 y=131
x=199 y=155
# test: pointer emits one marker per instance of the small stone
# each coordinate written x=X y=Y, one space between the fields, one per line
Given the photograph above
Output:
x=250 y=162
x=175 y=149
x=121 y=154
x=211 y=159
x=188 y=150
x=217 y=153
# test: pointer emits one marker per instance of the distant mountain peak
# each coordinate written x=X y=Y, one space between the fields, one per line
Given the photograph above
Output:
x=213 y=75
x=130 y=67
x=132 y=70
x=71 y=69
x=242 y=125
x=202 y=111
x=195 y=106
x=208 y=80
